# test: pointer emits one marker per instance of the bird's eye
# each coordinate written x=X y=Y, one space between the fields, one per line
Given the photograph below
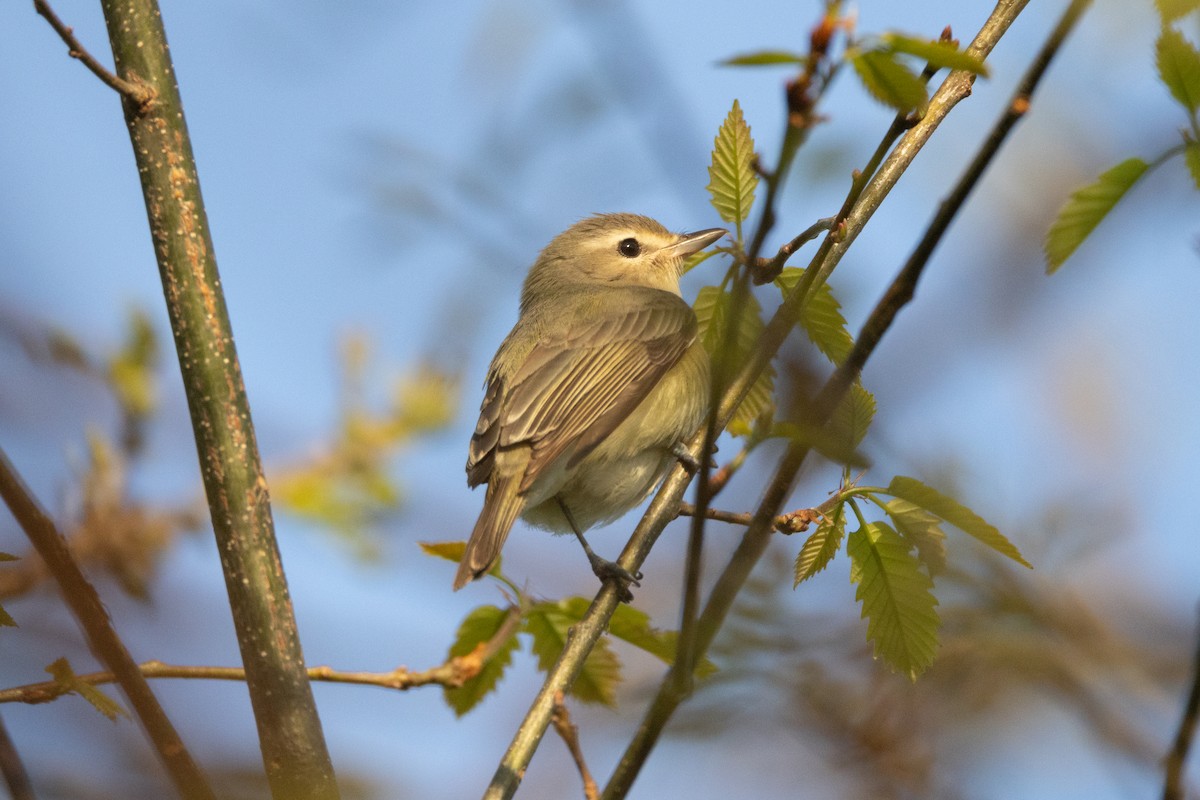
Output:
x=630 y=248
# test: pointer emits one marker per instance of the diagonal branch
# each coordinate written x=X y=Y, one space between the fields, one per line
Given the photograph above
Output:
x=135 y=89
x=85 y=604
x=1175 y=787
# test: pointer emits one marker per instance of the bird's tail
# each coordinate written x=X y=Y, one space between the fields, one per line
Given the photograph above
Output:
x=501 y=506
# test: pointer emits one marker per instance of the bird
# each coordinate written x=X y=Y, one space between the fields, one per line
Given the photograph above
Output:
x=590 y=397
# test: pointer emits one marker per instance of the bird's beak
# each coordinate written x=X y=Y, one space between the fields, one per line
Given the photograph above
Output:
x=693 y=242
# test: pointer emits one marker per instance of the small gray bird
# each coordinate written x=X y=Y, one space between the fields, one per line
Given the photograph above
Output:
x=590 y=396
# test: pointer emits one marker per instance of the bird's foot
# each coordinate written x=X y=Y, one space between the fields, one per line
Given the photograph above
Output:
x=612 y=572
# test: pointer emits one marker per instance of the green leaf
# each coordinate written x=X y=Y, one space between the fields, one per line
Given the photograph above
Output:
x=942 y=55
x=897 y=599
x=713 y=308
x=732 y=178
x=1179 y=68
x=764 y=58
x=6 y=619
x=131 y=371
x=548 y=624
x=69 y=682
x=889 y=81
x=1088 y=205
x=1171 y=10
x=955 y=513
x=820 y=547
x=633 y=626
x=480 y=626
x=1191 y=155
x=821 y=316
x=853 y=416
x=451 y=551
x=923 y=530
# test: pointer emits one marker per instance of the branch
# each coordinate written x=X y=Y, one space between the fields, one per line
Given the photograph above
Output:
x=1175 y=787
x=293 y=746
x=789 y=523
x=140 y=93
x=102 y=639
x=15 y=776
x=570 y=736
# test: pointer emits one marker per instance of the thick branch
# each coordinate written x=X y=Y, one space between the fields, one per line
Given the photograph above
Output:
x=293 y=745
x=1175 y=786
x=15 y=776
x=84 y=602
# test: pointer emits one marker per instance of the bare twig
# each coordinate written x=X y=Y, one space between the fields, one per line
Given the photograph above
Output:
x=89 y=611
x=1175 y=787
x=13 y=769
x=135 y=89
x=561 y=720
x=792 y=522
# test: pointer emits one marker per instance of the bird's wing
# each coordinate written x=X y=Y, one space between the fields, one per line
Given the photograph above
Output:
x=572 y=391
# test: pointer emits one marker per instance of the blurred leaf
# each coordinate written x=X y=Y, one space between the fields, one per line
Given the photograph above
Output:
x=1179 y=68
x=65 y=677
x=696 y=259
x=732 y=178
x=821 y=317
x=548 y=623
x=1191 y=155
x=853 y=416
x=764 y=58
x=889 y=80
x=955 y=513
x=1088 y=205
x=425 y=401
x=896 y=597
x=1171 y=10
x=712 y=313
x=480 y=626
x=820 y=547
x=826 y=440
x=633 y=626
x=942 y=55
x=131 y=370
x=922 y=529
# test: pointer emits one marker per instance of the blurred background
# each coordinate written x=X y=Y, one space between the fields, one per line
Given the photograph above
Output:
x=378 y=176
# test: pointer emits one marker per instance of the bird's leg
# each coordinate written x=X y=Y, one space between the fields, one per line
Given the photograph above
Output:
x=605 y=570
x=687 y=460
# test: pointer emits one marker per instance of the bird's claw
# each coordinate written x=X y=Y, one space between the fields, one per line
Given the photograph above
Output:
x=612 y=572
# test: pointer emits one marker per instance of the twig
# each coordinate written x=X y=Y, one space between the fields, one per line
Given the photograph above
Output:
x=792 y=522
x=561 y=720
x=89 y=611
x=135 y=89
x=294 y=752
x=15 y=776
x=767 y=269
x=1175 y=787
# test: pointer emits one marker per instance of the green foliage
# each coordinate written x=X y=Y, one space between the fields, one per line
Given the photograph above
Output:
x=1086 y=208
x=896 y=597
x=480 y=626
x=889 y=80
x=713 y=311
x=732 y=179
x=821 y=546
x=69 y=683
x=923 y=530
x=131 y=370
x=1171 y=10
x=766 y=58
x=1179 y=68
x=938 y=54
x=1191 y=154
x=958 y=515
x=548 y=624
x=821 y=317
x=853 y=416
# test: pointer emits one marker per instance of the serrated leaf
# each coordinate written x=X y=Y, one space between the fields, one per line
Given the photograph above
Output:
x=888 y=80
x=923 y=530
x=764 y=58
x=548 y=623
x=955 y=513
x=1088 y=205
x=1179 y=68
x=853 y=416
x=1191 y=154
x=732 y=178
x=820 y=547
x=821 y=317
x=480 y=626
x=942 y=55
x=897 y=599
x=633 y=626
x=68 y=681
x=1171 y=10
x=713 y=308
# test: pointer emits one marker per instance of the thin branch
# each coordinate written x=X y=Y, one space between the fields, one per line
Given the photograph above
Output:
x=1175 y=786
x=102 y=639
x=561 y=720
x=789 y=523
x=135 y=89
x=13 y=769
x=293 y=746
